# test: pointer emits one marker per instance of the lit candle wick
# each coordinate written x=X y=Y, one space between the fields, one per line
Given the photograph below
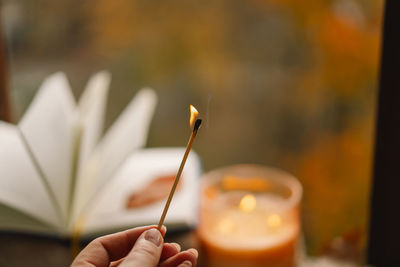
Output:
x=274 y=221
x=248 y=203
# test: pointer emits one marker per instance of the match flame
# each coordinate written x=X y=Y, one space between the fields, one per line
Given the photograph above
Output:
x=193 y=114
x=248 y=203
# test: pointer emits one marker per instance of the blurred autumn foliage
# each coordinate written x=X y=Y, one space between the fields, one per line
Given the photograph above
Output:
x=336 y=166
x=279 y=82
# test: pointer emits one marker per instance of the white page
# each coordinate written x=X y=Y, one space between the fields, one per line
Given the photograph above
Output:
x=91 y=109
x=128 y=133
x=108 y=211
x=48 y=127
x=21 y=186
x=15 y=220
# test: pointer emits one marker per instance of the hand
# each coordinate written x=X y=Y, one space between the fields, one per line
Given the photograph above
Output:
x=137 y=247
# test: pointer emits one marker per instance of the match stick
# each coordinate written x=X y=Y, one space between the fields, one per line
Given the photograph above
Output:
x=178 y=175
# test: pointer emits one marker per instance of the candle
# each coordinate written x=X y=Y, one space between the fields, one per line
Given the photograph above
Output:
x=249 y=216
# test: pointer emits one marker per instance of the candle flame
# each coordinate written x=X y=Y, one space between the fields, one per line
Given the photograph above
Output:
x=225 y=226
x=248 y=203
x=193 y=114
x=274 y=221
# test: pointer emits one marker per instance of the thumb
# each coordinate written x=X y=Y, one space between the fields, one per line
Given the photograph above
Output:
x=146 y=251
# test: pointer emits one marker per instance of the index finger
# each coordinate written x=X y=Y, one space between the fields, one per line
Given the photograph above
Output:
x=105 y=249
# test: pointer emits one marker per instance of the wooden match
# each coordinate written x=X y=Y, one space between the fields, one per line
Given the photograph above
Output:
x=178 y=175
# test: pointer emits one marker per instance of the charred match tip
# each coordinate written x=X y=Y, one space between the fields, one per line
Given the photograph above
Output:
x=197 y=124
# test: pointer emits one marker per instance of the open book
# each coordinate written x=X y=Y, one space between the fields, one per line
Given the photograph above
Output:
x=57 y=173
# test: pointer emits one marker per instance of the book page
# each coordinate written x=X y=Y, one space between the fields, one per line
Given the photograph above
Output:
x=109 y=210
x=48 y=127
x=92 y=106
x=16 y=220
x=21 y=187
x=128 y=133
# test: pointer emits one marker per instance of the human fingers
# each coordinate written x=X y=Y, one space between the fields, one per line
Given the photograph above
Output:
x=181 y=258
x=169 y=250
x=116 y=263
x=146 y=251
x=185 y=264
x=103 y=250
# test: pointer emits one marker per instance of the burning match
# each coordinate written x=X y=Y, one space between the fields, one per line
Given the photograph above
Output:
x=193 y=114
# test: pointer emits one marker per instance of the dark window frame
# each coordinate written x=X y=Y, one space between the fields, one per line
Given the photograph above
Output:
x=384 y=230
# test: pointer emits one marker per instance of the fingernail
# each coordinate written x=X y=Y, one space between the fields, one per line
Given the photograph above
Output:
x=164 y=229
x=154 y=236
x=186 y=263
x=194 y=252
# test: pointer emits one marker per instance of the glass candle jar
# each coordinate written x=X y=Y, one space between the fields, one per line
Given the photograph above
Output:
x=249 y=216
